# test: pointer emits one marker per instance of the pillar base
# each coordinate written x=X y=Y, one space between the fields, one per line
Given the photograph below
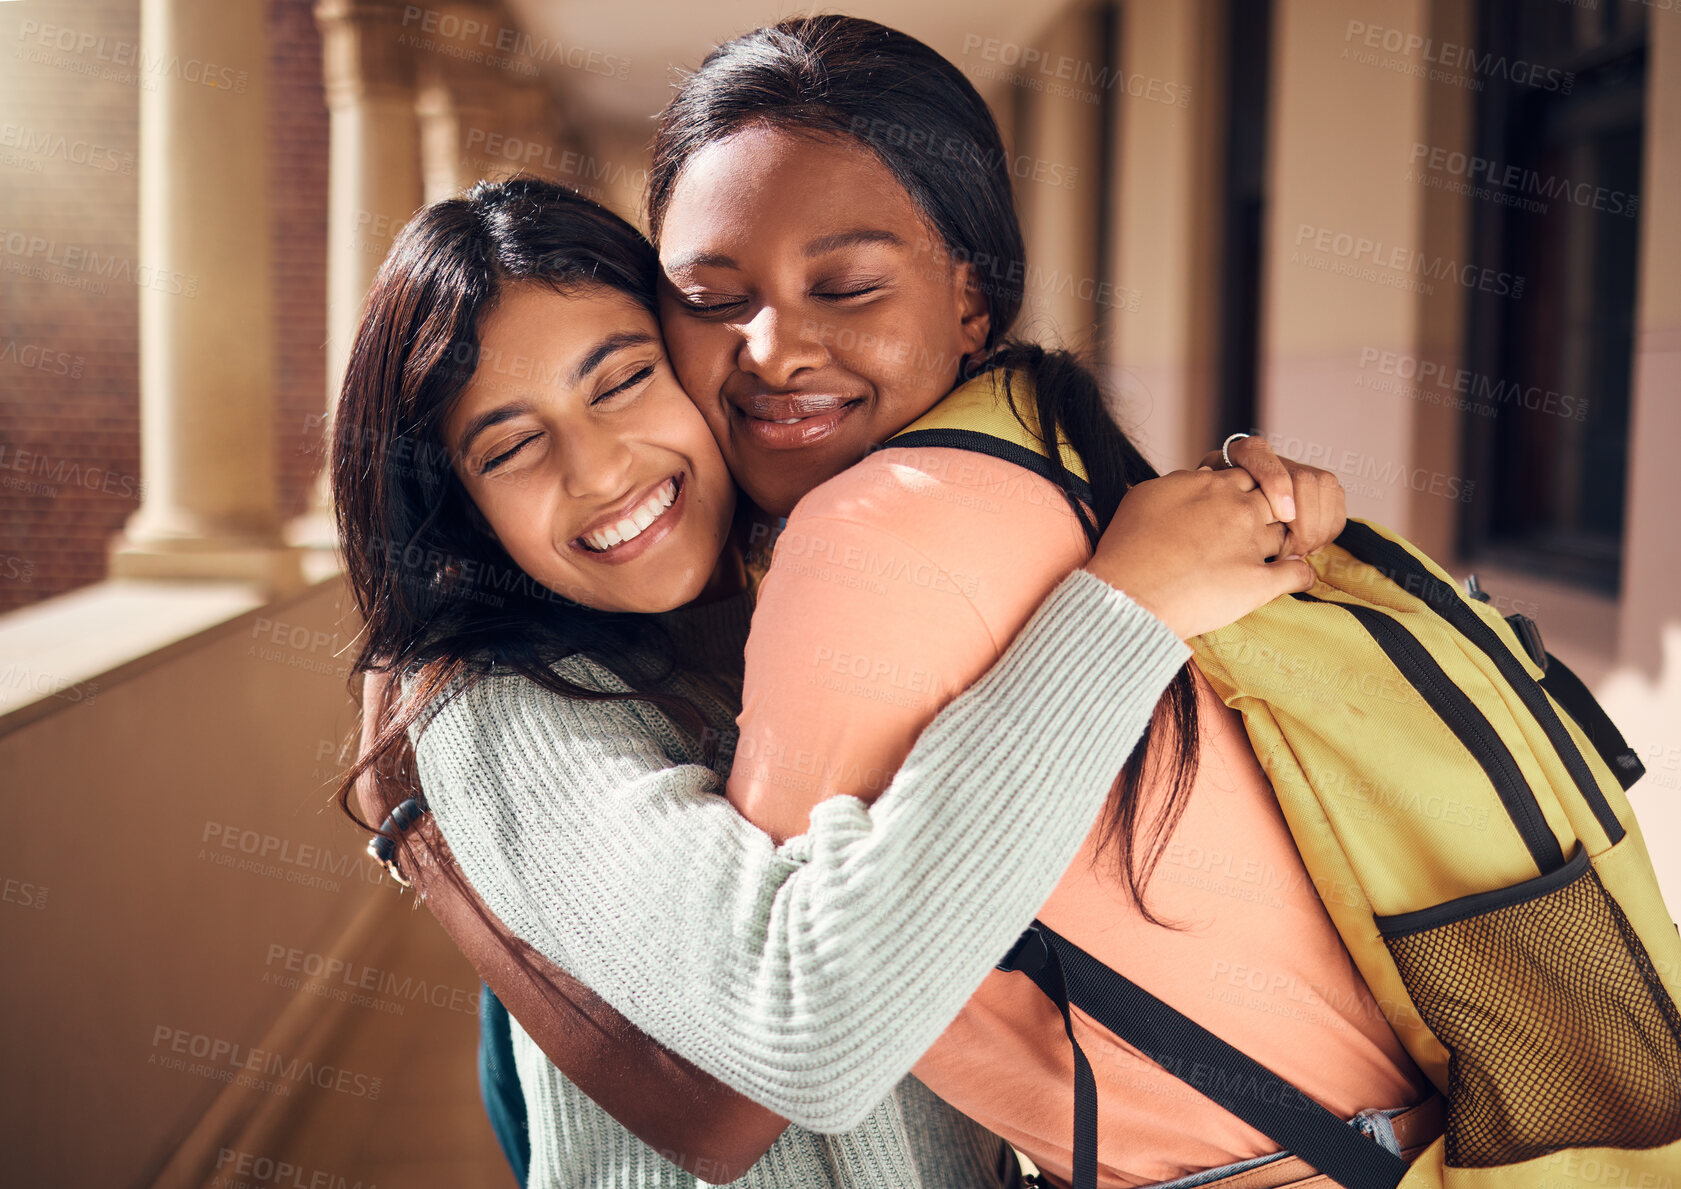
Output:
x=277 y=569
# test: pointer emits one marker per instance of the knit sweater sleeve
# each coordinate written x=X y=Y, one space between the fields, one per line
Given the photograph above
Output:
x=809 y=976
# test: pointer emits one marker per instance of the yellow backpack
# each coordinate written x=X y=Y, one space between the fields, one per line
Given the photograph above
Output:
x=1458 y=799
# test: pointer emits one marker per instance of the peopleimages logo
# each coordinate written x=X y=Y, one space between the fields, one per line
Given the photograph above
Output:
x=226 y=1061
x=463 y=36
x=1485 y=395
x=1394 y=264
x=38 y=145
x=1454 y=62
x=342 y=975
x=39 y=252
x=282 y=858
x=41 y=359
x=150 y=66
x=67 y=471
x=281 y=1174
x=1513 y=184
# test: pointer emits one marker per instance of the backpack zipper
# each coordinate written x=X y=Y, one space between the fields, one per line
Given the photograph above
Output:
x=1468 y=724
x=1376 y=550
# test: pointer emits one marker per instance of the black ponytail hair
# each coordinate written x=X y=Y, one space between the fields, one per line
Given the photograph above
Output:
x=832 y=75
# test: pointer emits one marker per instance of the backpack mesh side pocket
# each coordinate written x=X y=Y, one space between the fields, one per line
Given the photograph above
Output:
x=1559 y=1032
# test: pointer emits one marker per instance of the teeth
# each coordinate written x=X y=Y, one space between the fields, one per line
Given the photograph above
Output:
x=789 y=421
x=637 y=522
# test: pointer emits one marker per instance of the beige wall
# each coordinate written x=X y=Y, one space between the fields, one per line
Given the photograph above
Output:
x=1165 y=210
x=1059 y=192
x=134 y=935
x=1342 y=136
x=1652 y=571
x=1643 y=693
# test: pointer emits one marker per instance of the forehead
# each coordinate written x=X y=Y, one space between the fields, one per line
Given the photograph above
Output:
x=764 y=182
x=532 y=339
x=551 y=320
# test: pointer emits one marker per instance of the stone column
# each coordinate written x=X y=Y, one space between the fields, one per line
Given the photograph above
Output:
x=482 y=110
x=373 y=184
x=209 y=509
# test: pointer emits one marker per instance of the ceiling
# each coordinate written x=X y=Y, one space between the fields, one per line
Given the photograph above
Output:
x=657 y=36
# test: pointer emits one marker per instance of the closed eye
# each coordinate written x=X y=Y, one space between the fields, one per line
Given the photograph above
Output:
x=718 y=306
x=630 y=382
x=490 y=464
x=867 y=289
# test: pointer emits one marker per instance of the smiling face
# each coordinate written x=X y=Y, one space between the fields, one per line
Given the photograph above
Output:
x=579 y=449
x=810 y=308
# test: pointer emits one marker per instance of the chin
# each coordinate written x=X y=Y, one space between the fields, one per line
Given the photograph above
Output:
x=778 y=494
x=682 y=590
x=776 y=501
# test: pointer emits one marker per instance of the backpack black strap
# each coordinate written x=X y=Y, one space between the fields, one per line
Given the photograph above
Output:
x=1397 y=564
x=1034 y=957
x=995 y=447
x=1245 y=1087
x=1579 y=703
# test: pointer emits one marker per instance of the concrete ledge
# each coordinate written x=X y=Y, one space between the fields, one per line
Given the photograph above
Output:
x=63 y=651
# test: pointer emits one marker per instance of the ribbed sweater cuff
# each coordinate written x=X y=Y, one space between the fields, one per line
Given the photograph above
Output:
x=1032 y=750
x=1089 y=636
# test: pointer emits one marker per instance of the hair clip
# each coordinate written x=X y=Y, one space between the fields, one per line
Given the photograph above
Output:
x=382 y=847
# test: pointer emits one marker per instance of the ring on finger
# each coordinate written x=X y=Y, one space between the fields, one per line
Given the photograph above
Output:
x=1225 y=447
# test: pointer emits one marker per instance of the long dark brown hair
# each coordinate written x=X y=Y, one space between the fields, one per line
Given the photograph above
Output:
x=848 y=77
x=442 y=603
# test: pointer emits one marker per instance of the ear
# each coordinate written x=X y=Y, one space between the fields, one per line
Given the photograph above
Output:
x=975 y=319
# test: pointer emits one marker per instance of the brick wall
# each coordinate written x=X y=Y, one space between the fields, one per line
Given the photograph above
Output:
x=298 y=175
x=69 y=368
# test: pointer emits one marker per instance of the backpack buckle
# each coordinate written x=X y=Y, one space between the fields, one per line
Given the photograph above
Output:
x=1529 y=633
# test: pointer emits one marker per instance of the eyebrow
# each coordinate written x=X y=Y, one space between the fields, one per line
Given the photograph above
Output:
x=701 y=260
x=489 y=419
x=593 y=358
x=617 y=341
x=820 y=246
x=852 y=238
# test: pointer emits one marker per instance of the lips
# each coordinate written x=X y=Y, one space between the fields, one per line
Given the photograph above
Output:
x=791 y=422
x=634 y=524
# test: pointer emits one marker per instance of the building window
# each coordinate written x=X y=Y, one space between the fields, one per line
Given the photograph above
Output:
x=1554 y=187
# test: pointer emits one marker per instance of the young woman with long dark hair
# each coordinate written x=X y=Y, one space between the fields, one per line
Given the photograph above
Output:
x=537 y=527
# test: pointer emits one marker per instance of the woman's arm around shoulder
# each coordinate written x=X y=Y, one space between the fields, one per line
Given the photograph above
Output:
x=783 y=971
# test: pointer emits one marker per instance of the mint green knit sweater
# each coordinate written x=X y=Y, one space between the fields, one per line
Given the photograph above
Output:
x=812 y=975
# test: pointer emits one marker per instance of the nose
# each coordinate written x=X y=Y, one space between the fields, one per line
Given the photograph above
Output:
x=596 y=461
x=777 y=346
